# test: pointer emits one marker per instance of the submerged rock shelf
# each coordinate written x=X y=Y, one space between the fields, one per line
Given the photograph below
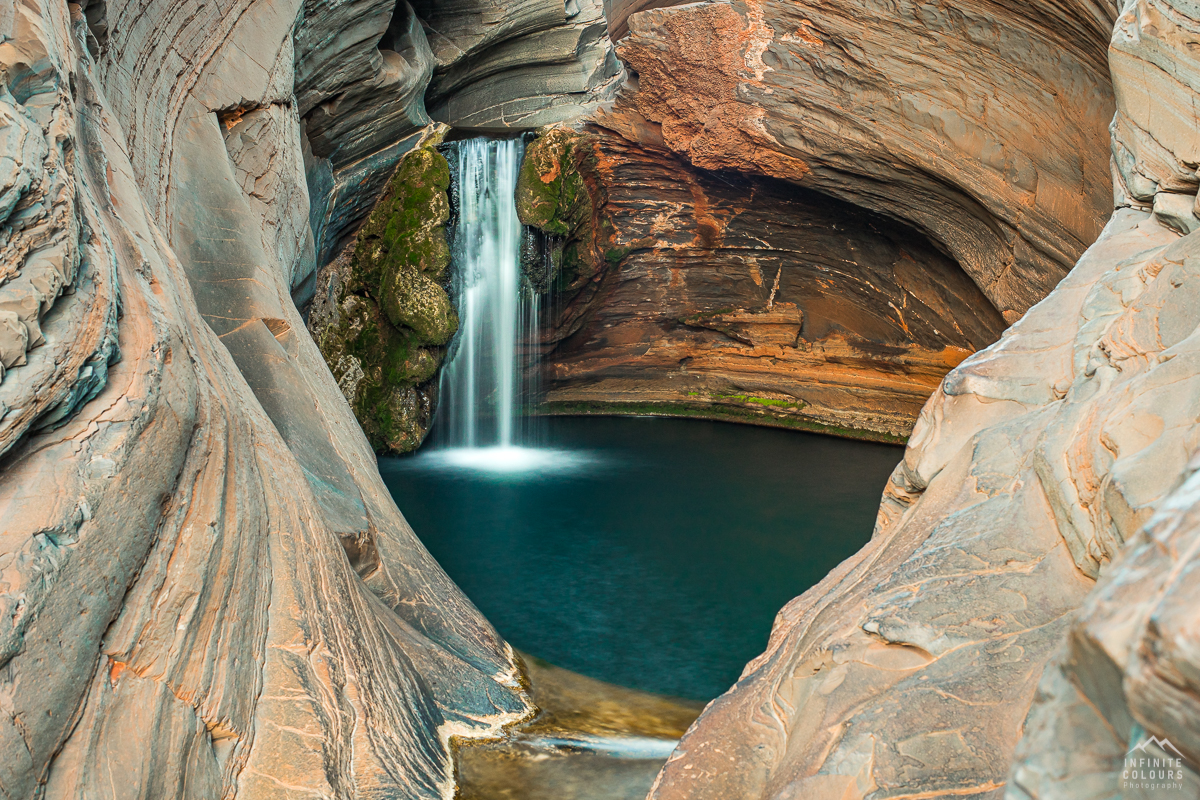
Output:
x=590 y=741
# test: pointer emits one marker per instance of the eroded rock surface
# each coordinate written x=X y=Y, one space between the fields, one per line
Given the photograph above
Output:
x=679 y=290
x=518 y=65
x=207 y=589
x=1036 y=546
x=983 y=125
x=367 y=69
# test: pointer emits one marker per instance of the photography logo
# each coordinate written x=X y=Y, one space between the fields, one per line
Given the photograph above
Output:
x=1153 y=763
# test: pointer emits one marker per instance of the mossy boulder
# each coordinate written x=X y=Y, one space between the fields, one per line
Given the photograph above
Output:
x=555 y=196
x=551 y=194
x=411 y=299
x=407 y=228
x=382 y=316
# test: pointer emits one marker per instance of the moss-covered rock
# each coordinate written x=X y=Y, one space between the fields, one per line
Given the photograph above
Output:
x=382 y=315
x=412 y=299
x=408 y=225
x=551 y=194
x=555 y=196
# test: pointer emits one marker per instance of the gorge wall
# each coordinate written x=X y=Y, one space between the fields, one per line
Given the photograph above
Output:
x=678 y=290
x=983 y=125
x=1023 y=617
x=919 y=113
x=206 y=588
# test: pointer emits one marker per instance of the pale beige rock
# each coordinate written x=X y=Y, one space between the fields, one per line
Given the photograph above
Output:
x=211 y=593
x=1062 y=455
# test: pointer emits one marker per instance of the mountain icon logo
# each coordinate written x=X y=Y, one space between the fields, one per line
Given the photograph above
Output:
x=1163 y=744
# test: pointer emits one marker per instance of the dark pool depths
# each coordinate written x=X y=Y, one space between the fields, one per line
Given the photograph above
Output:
x=650 y=553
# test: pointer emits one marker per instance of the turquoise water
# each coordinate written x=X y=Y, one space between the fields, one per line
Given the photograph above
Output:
x=652 y=553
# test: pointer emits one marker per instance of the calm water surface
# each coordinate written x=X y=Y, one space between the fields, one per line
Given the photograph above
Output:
x=652 y=553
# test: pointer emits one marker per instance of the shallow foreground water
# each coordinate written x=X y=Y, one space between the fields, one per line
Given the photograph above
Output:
x=650 y=553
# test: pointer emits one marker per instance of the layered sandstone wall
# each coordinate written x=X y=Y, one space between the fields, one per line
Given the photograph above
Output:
x=207 y=589
x=1025 y=613
x=978 y=132
x=982 y=124
x=677 y=290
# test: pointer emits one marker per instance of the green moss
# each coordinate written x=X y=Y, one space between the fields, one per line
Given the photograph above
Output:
x=713 y=412
x=407 y=226
x=613 y=255
x=411 y=299
x=555 y=196
x=394 y=314
x=551 y=195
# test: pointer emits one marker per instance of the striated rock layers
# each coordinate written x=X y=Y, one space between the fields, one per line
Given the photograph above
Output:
x=980 y=133
x=982 y=124
x=505 y=66
x=1025 y=614
x=363 y=79
x=678 y=290
x=381 y=315
x=206 y=590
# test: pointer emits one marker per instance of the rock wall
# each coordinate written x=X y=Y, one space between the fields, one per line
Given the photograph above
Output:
x=678 y=290
x=517 y=66
x=982 y=124
x=366 y=70
x=1024 y=616
x=208 y=591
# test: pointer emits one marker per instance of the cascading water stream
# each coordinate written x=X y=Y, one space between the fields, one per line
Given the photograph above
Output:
x=484 y=384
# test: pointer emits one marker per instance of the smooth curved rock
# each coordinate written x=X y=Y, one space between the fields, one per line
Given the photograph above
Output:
x=618 y=12
x=983 y=125
x=678 y=290
x=362 y=67
x=212 y=592
x=518 y=66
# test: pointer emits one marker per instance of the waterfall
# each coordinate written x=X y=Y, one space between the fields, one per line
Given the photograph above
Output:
x=484 y=383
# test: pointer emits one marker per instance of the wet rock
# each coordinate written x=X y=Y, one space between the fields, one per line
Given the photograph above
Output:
x=381 y=317
x=590 y=741
x=678 y=288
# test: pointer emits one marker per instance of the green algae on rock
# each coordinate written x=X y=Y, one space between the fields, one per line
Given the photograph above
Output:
x=382 y=317
x=554 y=198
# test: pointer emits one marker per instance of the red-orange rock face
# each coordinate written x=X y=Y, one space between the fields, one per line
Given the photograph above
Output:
x=986 y=130
x=731 y=294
